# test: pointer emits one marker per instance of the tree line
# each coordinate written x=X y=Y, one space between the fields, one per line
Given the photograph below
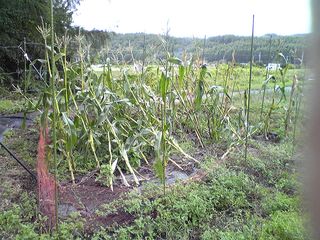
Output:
x=218 y=48
x=20 y=21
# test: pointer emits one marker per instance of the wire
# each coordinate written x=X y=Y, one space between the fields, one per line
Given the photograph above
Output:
x=9 y=47
x=31 y=63
x=19 y=161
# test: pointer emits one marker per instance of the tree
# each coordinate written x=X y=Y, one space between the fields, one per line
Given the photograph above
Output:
x=19 y=19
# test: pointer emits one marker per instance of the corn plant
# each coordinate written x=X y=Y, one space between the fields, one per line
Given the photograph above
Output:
x=162 y=152
x=113 y=120
x=273 y=106
x=297 y=108
x=267 y=76
x=289 y=108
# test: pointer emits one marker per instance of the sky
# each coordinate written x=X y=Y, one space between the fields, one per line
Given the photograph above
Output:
x=195 y=18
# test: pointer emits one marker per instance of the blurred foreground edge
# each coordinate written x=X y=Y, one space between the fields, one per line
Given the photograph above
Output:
x=312 y=163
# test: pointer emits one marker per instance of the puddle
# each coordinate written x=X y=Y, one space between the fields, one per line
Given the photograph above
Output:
x=64 y=209
x=175 y=176
x=172 y=177
x=8 y=122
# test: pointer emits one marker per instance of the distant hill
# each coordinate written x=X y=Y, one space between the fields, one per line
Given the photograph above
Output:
x=214 y=48
x=138 y=46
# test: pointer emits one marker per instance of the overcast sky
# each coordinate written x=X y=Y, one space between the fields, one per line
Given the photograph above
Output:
x=195 y=17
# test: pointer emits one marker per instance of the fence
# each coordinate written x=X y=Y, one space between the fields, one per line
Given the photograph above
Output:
x=21 y=61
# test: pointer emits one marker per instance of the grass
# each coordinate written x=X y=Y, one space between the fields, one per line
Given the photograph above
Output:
x=231 y=204
x=11 y=106
x=239 y=76
x=11 y=102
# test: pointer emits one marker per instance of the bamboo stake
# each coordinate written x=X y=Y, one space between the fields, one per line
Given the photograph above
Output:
x=54 y=131
x=249 y=90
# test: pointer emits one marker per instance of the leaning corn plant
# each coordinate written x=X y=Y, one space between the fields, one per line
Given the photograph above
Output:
x=289 y=108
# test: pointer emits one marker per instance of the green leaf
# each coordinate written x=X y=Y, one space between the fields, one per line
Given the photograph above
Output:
x=124 y=154
x=114 y=165
x=58 y=56
x=181 y=75
x=175 y=60
x=157 y=145
x=158 y=169
x=164 y=83
x=175 y=145
x=283 y=57
x=199 y=94
x=67 y=120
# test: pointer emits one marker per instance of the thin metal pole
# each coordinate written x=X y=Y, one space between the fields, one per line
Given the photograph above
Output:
x=249 y=90
x=144 y=54
x=204 y=47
